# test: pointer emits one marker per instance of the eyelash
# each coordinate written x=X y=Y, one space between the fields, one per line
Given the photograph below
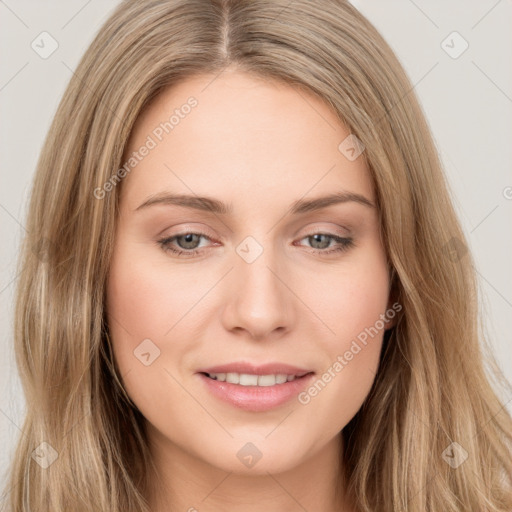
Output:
x=345 y=244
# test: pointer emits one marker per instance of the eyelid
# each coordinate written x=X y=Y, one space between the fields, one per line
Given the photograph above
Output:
x=186 y=229
x=341 y=231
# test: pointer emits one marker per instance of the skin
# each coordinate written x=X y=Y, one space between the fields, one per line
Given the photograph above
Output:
x=259 y=145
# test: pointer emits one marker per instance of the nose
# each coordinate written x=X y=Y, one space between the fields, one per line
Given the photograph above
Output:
x=259 y=302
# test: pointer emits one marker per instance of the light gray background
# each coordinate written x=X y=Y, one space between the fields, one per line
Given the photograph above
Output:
x=467 y=101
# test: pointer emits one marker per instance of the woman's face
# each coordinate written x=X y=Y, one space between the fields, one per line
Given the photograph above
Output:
x=269 y=274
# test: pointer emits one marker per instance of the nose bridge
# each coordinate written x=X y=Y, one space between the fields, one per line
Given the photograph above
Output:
x=261 y=302
x=258 y=266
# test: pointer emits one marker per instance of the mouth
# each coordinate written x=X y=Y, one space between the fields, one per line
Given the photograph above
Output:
x=255 y=392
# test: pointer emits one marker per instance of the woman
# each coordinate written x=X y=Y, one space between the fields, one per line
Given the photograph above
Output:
x=245 y=286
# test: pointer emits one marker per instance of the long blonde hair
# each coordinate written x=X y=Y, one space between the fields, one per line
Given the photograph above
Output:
x=431 y=389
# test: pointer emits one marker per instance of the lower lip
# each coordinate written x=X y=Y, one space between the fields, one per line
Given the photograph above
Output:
x=256 y=398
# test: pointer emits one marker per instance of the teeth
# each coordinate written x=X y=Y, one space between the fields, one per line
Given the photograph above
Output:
x=246 y=379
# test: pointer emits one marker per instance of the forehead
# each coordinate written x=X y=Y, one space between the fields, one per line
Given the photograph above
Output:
x=241 y=138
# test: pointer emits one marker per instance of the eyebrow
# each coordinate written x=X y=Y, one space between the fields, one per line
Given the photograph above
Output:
x=212 y=205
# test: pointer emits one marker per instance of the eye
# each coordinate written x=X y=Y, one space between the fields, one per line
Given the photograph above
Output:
x=321 y=241
x=187 y=244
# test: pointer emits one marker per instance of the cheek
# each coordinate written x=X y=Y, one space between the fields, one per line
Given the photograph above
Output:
x=351 y=303
x=144 y=303
x=351 y=299
x=144 y=298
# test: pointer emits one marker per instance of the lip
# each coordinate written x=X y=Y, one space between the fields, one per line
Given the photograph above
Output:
x=256 y=398
x=264 y=369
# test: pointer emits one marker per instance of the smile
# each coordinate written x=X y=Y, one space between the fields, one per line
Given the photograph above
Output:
x=255 y=393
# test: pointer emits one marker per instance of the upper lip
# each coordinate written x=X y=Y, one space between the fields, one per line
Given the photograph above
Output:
x=264 y=369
